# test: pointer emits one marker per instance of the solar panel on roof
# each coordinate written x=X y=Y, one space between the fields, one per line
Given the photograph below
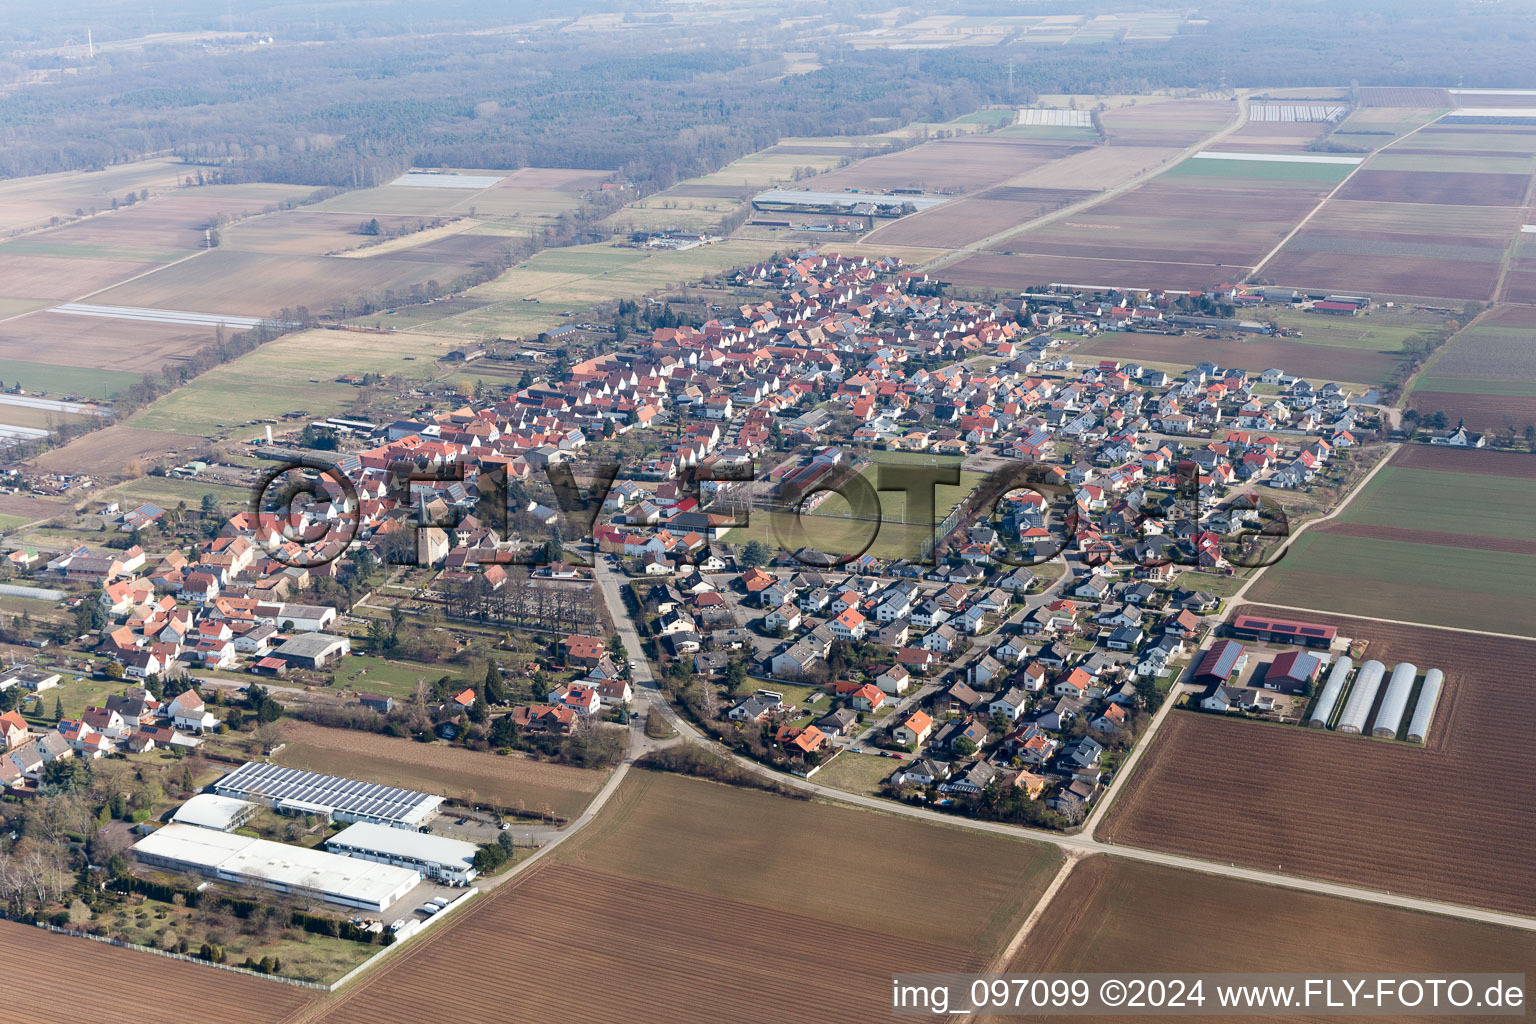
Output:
x=1313 y=631
x=1255 y=624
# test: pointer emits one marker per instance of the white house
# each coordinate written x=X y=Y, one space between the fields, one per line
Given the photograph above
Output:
x=894 y=680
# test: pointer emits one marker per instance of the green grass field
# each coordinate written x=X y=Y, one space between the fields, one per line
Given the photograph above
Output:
x=76 y=250
x=294 y=372
x=1396 y=120
x=1429 y=160
x=64 y=380
x=372 y=674
x=167 y=491
x=857 y=773
x=1467 y=503
x=573 y=279
x=1259 y=170
x=996 y=118
x=1430 y=583
x=1504 y=142
x=1380 y=332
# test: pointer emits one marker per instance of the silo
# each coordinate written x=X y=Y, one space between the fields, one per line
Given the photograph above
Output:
x=1337 y=676
x=1362 y=697
x=1429 y=695
x=1394 y=703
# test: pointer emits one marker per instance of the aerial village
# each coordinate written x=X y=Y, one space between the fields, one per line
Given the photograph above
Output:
x=1018 y=648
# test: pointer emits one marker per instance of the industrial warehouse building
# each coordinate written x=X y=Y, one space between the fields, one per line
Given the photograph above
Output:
x=209 y=810
x=447 y=860
x=289 y=869
x=295 y=791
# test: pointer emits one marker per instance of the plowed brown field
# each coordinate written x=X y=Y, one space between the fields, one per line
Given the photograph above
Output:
x=646 y=952
x=1016 y=272
x=512 y=781
x=105 y=343
x=1147 y=918
x=1384 y=274
x=1475 y=460
x=1456 y=188
x=686 y=900
x=1481 y=412
x=46 y=975
x=1317 y=361
x=108 y=452
x=945 y=165
x=1448 y=821
x=1406 y=536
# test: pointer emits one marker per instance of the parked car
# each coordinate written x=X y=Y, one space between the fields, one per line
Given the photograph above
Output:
x=397 y=925
x=429 y=908
x=440 y=902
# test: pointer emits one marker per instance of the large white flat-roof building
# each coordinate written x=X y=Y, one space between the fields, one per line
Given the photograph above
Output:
x=292 y=869
x=448 y=860
x=209 y=810
x=296 y=791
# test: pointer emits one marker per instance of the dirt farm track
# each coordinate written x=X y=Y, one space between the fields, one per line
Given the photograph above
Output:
x=1424 y=821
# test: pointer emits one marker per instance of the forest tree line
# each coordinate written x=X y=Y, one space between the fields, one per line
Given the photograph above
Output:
x=659 y=105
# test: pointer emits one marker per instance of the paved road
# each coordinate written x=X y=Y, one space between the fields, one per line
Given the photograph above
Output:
x=609 y=587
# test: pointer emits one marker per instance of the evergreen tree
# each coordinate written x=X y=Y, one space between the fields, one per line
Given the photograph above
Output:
x=479 y=711
x=495 y=690
x=503 y=732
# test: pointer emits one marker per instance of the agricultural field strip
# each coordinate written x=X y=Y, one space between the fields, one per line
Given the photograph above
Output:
x=1278 y=158
x=158 y=316
x=1148 y=919
x=1428 y=499
x=792 y=197
x=1117 y=190
x=51 y=405
x=1324 y=202
x=422 y=179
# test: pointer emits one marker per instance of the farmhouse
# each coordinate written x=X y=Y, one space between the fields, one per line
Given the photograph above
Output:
x=300 y=618
x=1292 y=672
x=1282 y=631
x=312 y=650
x=1218 y=664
